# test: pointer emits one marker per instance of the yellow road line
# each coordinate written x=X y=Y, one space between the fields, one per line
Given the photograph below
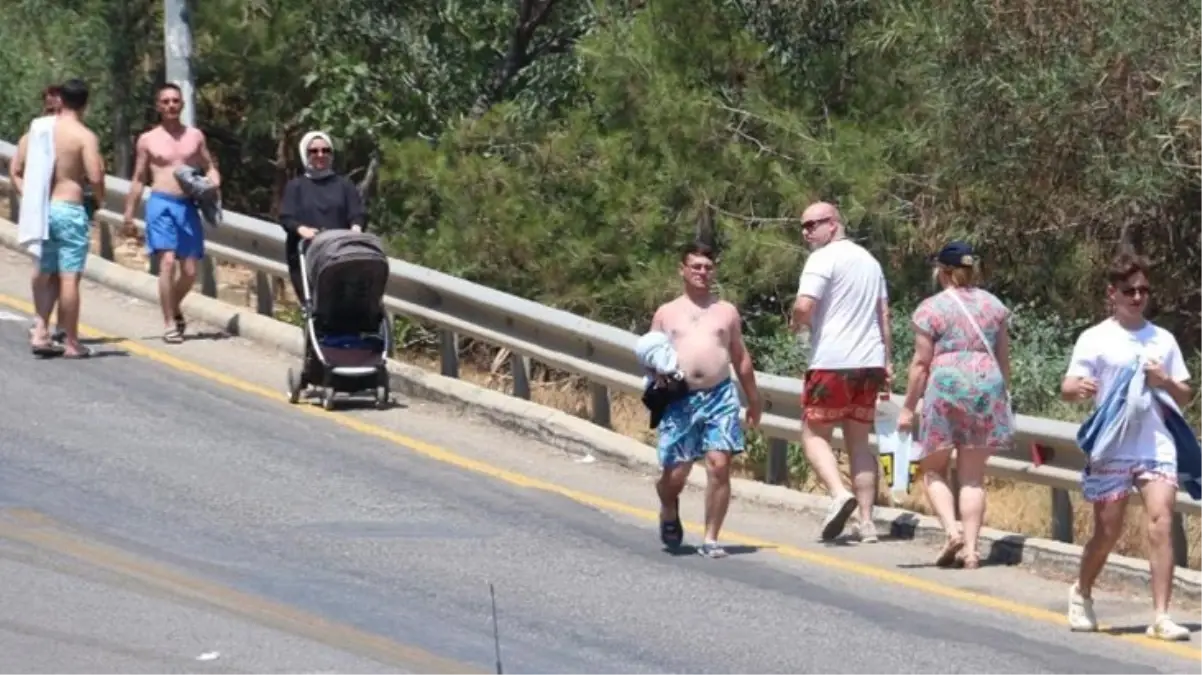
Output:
x=446 y=456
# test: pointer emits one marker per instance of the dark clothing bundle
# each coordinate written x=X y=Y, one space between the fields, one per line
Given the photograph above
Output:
x=660 y=393
x=326 y=203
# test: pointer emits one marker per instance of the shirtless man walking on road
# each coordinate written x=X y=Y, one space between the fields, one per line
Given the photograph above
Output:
x=174 y=232
x=51 y=104
x=78 y=166
x=707 y=335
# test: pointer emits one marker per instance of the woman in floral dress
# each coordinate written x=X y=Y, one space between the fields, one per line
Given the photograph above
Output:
x=961 y=371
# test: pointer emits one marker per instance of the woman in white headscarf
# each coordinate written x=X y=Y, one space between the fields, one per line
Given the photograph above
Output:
x=320 y=199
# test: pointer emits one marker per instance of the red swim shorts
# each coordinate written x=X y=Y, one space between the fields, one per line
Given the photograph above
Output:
x=831 y=396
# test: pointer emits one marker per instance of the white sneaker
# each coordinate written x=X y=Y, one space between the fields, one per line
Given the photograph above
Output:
x=837 y=514
x=1080 y=611
x=1164 y=628
x=867 y=531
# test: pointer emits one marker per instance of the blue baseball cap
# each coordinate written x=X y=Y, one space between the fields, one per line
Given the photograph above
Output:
x=956 y=254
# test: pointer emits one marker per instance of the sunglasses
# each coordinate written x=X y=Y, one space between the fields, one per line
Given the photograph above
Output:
x=320 y=151
x=1131 y=292
x=811 y=224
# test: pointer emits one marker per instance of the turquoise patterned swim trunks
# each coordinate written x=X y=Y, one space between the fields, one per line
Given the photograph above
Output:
x=707 y=420
x=65 y=250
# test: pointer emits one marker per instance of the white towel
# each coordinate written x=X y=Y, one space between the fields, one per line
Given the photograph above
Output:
x=657 y=356
x=33 y=224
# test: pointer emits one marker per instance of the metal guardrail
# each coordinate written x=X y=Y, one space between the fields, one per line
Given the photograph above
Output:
x=602 y=354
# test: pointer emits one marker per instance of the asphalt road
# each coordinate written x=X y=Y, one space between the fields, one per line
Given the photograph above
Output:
x=157 y=521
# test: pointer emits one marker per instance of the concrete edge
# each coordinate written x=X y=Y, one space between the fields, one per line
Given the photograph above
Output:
x=572 y=434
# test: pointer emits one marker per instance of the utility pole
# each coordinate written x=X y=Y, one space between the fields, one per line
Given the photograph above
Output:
x=177 y=43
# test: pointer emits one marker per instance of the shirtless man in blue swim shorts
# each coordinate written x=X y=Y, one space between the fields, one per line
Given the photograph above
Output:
x=78 y=166
x=707 y=336
x=174 y=232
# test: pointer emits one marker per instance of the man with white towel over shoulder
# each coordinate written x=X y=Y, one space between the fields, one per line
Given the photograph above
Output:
x=58 y=161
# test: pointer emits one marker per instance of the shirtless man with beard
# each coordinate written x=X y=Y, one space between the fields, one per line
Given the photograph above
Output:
x=707 y=336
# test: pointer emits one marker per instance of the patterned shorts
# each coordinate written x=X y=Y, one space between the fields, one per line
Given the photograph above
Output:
x=831 y=396
x=707 y=420
x=1115 y=479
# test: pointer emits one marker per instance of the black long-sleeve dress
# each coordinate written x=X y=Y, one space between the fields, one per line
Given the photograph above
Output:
x=327 y=203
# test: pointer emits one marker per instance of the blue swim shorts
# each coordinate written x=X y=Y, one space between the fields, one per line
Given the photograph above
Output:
x=65 y=250
x=173 y=224
x=707 y=420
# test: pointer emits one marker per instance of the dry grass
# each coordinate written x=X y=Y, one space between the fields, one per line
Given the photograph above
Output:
x=1012 y=507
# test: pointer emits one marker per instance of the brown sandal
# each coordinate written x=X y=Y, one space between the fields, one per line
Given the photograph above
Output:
x=948 y=555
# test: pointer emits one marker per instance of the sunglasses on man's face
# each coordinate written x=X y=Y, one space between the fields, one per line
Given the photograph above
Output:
x=1132 y=291
x=809 y=225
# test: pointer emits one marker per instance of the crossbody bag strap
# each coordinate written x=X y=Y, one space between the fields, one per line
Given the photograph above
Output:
x=980 y=334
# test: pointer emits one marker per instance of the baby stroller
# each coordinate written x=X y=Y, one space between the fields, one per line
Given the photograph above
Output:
x=347 y=332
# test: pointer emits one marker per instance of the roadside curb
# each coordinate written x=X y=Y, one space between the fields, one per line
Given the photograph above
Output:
x=575 y=435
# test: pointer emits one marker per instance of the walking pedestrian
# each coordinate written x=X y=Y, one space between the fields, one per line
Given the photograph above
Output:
x=707 y=337
x=843 y=301
x=174 y=230
x=961 y=369
x=1136 y=438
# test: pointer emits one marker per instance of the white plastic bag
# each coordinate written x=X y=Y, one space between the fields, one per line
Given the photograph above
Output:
x=895 y=450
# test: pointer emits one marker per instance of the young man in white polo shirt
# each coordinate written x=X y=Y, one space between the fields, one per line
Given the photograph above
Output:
x=842 y=299
x=1145 y=459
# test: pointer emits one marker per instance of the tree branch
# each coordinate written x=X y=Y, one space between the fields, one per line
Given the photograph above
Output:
x=531 y=15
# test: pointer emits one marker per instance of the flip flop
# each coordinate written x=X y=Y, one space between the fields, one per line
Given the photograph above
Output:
x=84 y=353
x=46 y=350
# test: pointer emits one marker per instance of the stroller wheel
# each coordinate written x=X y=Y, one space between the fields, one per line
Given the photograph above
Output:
x=383 y=391
x=294 y=386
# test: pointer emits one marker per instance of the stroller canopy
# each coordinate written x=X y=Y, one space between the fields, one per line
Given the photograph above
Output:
x=348 y=274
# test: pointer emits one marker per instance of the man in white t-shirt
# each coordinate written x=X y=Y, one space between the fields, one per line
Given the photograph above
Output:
x=842 y=299
x=1144 y=458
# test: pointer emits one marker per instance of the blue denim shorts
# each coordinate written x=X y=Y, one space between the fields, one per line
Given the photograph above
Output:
x=1115 y=479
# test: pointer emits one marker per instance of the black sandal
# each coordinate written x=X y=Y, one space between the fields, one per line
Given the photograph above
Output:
x=46 y=349
x=671 y=533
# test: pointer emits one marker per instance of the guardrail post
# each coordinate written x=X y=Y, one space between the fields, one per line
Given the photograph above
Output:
x=14 y=206
x=1180 y=542
x=600 y=405
x=449 y=353
x=105 y=234
x=208 y=277
x=263 y=294
x=1062 y=516
x=519 y=368
x=777 y=471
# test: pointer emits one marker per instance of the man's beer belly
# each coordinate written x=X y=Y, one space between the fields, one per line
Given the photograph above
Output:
x=702 y=355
